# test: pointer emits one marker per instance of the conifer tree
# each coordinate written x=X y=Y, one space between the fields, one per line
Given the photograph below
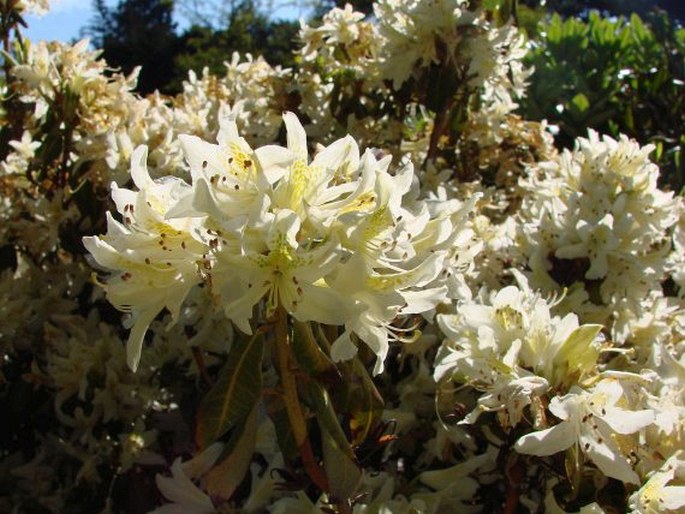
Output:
x=138 y=33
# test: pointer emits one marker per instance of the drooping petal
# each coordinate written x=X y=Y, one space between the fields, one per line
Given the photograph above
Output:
x=549 y=441
x=274 y=161
x=673 y=497
x=139 y=174
x=608 y=460
x=626 y=421
x=180 y=489
x=343 y=348
x=134 y=345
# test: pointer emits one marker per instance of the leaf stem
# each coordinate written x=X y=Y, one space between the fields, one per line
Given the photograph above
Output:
x=440 y=126
x=292 y=402
x=200 y=362
x=515 y=474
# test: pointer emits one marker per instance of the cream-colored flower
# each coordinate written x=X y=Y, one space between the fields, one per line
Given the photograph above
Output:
x=281 y=271
x=153 y=261
x=590 y=420
x=664 y=491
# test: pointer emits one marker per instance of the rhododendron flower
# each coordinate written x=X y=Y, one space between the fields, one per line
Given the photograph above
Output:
x=38 y=7
x=154 y=259
x=514 y=334
x=283 y=272
x=331 y=174
x=184 y=496
x=332 y=239
x=590 y=420
x=596 y=241
x=656 y=495
x=595 y=220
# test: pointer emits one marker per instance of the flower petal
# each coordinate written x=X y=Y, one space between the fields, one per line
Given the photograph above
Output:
x=547 y=442
x=608 y=460
x=628 y=422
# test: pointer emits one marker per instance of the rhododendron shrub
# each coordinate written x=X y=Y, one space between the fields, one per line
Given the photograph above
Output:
x=364 y=284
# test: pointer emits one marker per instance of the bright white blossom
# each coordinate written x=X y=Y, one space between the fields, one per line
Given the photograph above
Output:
x=590 y=420
x=181 y=491
x=511 y=347
x=38 y=7
x=156 y=260
x=596 y=220
x=328 y=239
x=229 y=209
x=664 y=491
x=419 y=34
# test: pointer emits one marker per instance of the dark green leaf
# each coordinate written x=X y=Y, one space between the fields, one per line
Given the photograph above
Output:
x=284 y=432
x=225 y=477
x=234 y=395
x=321 y=403
x=309 y=354
x=361 y=400
x=342 y=472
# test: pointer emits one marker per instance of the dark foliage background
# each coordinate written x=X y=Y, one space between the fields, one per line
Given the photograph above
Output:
x=615 y=75
x=143 y=33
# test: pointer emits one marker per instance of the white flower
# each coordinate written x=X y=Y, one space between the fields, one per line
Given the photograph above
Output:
x=336 y=239
x=284 y=272
x=596 y=221
x=656 y=495
x=513 y=334
x=186 y=497
x=229 y=179
x=38 y=7
x=377 y=299
x=330 y=175
x=590 y=419
x=417 y=35
x=596 y=241
x=153 y=260
x=343 y=41
x=509 y=396
x=26 y=147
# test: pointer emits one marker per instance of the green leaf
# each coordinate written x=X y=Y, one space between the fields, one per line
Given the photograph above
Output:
x=275 y=408
x=638 y=27
x=342 y=472
x=361 y=401
x=309 y=354
x=580 y=103
x=321 y=403
x=234 y=395
x=658 y=150
x=225 y=477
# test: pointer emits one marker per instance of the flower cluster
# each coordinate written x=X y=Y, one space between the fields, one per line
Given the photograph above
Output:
x=331 y=240
x=539 y=292
x=419 y=34
x=596 y=222
x=344 y=38
x=32 y=6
